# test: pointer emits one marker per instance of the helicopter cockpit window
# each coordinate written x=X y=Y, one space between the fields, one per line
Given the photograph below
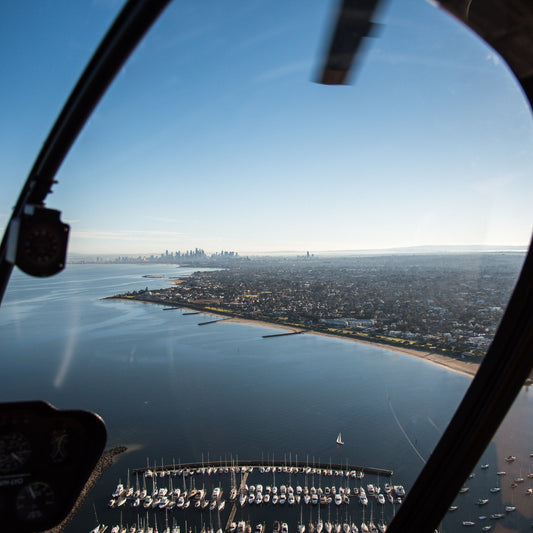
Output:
x=277 y=292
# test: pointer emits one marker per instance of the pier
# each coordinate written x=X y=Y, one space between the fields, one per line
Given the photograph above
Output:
x=213 y=321
x=284 y=334
x=234 y=506
x=261 y=463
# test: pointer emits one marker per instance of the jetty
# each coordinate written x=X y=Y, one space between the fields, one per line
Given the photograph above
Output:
x=234 y=506
x=284 y=334
x=213 y=321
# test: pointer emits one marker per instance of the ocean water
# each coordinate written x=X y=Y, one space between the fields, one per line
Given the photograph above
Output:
x=174 y=391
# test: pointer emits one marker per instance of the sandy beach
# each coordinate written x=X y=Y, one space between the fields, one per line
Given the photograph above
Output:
x=463 y=367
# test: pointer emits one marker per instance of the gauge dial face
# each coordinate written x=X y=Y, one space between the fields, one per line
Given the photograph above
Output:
x=15 y=452
x=35 y=502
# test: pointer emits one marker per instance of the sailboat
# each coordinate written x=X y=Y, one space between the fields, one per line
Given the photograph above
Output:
x=339 y=440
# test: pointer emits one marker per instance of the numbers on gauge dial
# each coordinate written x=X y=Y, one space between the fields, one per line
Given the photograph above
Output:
x=15 y=451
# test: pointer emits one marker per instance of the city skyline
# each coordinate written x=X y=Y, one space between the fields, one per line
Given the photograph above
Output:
x=214 y=135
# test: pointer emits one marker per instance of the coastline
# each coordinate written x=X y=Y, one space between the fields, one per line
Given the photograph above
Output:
x=461 y=367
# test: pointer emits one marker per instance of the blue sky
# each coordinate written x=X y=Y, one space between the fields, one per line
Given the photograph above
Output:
x=215 y=136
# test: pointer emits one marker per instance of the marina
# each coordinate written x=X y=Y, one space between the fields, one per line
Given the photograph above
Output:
x=199 y=494
x=254 y=496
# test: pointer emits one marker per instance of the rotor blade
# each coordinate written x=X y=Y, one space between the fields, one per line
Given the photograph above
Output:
x=353 y=23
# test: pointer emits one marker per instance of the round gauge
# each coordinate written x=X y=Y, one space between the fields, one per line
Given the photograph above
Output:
x=15 y=451
x=59 y=450
x=35 y=502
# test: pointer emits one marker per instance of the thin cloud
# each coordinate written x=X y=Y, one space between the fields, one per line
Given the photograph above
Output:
x=284 y=71
x=125 y=235
x=161 y=219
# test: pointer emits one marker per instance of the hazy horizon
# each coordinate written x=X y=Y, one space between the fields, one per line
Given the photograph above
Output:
x=430 y=249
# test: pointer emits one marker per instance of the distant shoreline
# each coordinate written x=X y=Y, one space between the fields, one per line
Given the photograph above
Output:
x=461 y=367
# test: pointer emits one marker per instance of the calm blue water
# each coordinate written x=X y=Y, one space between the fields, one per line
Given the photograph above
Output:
x=171 y=390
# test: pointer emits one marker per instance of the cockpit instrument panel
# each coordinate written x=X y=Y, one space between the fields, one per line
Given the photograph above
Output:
x=46 y=458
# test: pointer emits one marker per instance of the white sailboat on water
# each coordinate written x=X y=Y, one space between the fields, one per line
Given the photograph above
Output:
x=339 y=440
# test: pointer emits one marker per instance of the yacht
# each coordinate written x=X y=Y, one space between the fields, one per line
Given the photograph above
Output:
x=118 y=491
x=99 y=529
x=121 y=501
x=399 y=490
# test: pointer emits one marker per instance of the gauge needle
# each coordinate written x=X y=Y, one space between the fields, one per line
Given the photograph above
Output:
x=32 y=494
x=16 y=457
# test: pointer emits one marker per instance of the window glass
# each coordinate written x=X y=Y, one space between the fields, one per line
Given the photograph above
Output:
x=306 y=276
